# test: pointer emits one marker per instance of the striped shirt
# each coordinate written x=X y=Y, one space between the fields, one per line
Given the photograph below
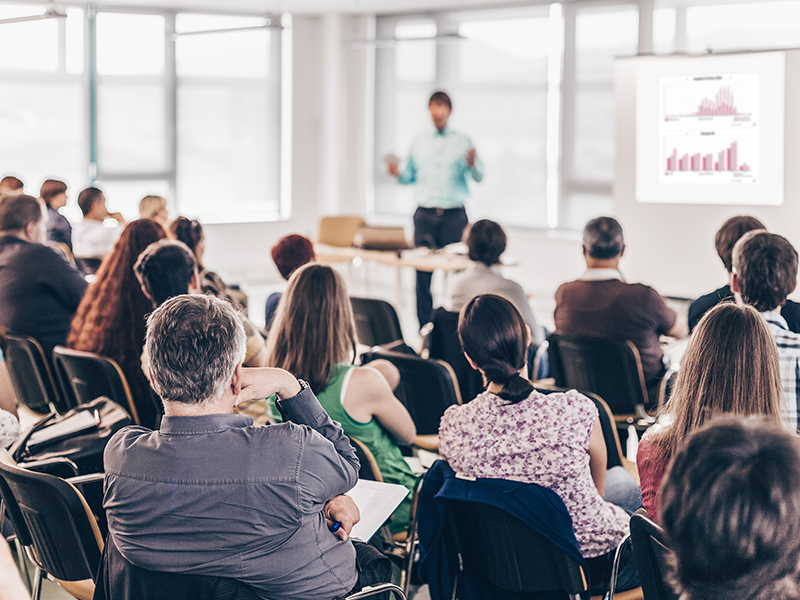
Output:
x=789 y=358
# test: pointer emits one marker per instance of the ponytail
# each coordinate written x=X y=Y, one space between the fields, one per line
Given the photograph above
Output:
x=492 y=333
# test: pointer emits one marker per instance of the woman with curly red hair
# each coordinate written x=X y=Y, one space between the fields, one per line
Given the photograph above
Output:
x=111 y=317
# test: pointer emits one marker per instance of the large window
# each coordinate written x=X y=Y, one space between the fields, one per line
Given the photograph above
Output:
x=177 y=104
x=532 y=87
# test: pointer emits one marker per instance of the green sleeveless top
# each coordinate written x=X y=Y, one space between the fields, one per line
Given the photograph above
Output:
x=387 y=454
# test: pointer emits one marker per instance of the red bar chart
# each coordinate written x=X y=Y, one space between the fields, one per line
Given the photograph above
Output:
x=708 y=97
x=722 y=104
x=724 y=160
x=717 y=158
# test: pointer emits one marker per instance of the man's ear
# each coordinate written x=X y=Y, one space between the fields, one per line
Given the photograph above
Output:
x=733 y=282
x=236 y=383
x=621 y=252
x=194 y=283
x=528 y=335
x=471 y=362
x=146 y=293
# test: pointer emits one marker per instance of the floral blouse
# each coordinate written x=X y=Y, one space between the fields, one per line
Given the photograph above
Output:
x=543 y=439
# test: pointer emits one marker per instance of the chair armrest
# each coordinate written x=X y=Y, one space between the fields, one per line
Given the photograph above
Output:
x=80 y=479
x=39 y=465
x=376 y=590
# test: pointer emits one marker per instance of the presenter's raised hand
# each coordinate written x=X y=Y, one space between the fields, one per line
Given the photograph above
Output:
x=393 y=169
x=471 y=157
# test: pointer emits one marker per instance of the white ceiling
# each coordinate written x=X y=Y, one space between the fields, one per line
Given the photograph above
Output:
x=298 y=6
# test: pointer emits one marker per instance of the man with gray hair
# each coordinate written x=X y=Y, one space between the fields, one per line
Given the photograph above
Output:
x=602 y=304
x=209 y=494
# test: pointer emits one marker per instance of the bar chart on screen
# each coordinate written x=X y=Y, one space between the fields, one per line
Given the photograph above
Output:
x=720 y=99
x=709 y=158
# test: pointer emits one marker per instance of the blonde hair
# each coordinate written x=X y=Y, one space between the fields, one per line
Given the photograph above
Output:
x=730 y=367
x=313 y=328
x=150 y=206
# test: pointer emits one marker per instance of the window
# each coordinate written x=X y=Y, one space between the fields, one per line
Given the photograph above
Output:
x=228 y=164
x=42 y=104
x=181 y=105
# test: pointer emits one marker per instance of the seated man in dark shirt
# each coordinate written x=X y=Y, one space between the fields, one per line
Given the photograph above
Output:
x=602 y=304
x=209 y=494
x=39 y=290
x=727 y=236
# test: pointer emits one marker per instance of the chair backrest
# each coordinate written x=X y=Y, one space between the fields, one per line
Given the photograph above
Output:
x=427 y=387
x=609 y=368
x=376 y=321
x=443 y=344
x=90 y=376
x=369 y=468
x=30 y=375
x=610 y=436
x=52 y=517
x=509 y=553
x=339 y=230
x=118 y=579
x=652 y=554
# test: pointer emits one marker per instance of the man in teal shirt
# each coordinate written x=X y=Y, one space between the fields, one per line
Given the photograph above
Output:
x=439 y=163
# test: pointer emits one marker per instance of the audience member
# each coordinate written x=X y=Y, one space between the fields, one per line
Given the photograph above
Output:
x=289 y=254
x=209 y=494
x=512 y=431
x=13 y=588
x=764 y=273
x=486 y=241
x=168 y=268
x=10 y=186
x=54 y=195
x=191 y=234
x=39 y=290
x=91 y=238
x=730 y=367
x=601 y=304
x=726 y=238
x=314 y=337
x=9 y=428
x=731 y=503
x=111 y=318
x=154 y=207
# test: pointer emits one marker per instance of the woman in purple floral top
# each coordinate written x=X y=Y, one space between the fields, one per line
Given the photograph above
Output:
x=511 y=431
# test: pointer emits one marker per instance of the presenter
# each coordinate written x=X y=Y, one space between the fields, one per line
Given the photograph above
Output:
x=439 y=163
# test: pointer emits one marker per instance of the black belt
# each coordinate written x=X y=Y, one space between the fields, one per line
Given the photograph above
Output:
x=439 y=211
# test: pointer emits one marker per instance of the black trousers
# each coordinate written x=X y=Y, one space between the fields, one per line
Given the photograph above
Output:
x=434 y=228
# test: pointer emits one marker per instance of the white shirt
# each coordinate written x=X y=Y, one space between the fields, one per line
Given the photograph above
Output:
x=92 y=239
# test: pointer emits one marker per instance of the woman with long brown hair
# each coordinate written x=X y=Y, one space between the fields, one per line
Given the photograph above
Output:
x=111 y=317
x=730 y=367
x=313 y=336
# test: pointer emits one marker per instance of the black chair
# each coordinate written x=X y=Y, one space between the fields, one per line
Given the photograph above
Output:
x=55 y=526
x=510 y=554
x=88 y=266
x=427 y=388
x=118 y=579
x=90 y=376
x=31 y=377
x=376 y=322
x=652 y=557
x=442 y=343
x=609 y=368
x=368 y=468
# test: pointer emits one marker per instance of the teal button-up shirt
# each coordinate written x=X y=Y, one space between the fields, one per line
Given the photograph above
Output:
x=437 y=165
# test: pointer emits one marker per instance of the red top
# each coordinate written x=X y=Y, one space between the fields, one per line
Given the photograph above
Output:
x=651 y=467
